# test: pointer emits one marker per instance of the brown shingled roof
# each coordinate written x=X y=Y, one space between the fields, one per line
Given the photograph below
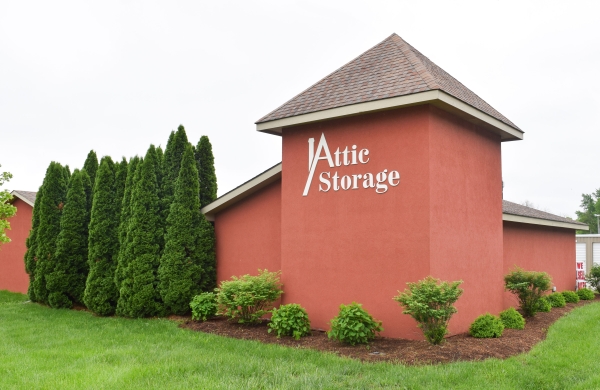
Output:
x=391 y=68
x=524 y=211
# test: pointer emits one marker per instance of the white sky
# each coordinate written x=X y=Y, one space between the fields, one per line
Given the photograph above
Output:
x=117 y=76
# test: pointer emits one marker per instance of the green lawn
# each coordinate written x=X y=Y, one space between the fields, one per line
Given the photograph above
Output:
x=64 y=349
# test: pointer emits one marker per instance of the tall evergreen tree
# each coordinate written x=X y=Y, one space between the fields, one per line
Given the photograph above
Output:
x=180 y=271
x=51 y=209
x=139 y=295
x=133 y=173
x=206 y=171
x=120 y=180
x=172 y=162
x=31 y=244
x=206 y=249
x=66 y=282
x=160 y=174
x=101 y=292
x=91 y=166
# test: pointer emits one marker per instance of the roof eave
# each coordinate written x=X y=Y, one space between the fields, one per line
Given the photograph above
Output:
x=438 y=98
x=16 y=194
x=269 y=176
x=543 y=222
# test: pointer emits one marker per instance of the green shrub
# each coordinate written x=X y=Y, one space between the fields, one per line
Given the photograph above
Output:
x=585 y=294
x=556 y=300
x=593 y=277
x=354 y=325
x=486 y=326
x=512 y=319
x=290 y=320
x=248 y=298
x=543 y=305
x=529 y=287
x=570 y=296
x=204 y=306
x=430 y=303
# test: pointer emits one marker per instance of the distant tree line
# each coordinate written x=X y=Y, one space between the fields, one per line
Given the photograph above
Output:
x=590 y=207
x=126 y=237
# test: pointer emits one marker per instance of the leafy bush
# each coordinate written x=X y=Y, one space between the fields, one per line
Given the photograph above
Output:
x=585 y=294
x=486 y=326
x=354 y=325
x=204 y=306
x=543 y=305
x=556 y=300
x=529 y=287
x=248 y=298
x=512 y=319
x=290 y=320
x=570 y=296
x=430 y=303
x=593 y=277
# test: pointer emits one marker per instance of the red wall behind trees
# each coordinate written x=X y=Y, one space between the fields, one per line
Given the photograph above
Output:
x=12 y=266
x=540 y=248
x=248 y=234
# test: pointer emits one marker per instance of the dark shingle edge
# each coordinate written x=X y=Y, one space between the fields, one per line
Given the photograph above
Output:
x=524 y=211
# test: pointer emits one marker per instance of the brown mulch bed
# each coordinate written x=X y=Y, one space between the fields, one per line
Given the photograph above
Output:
x=461 y=347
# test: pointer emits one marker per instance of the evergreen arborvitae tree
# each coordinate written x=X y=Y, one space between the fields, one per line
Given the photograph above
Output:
x=101 y=292
x=206 y=171
x=91 y=166
x=172 y=161
x=132 y=177
x=120 y=180
x=66 y=282
x=139 y=296
x=50 y=209
x=180 y=271
x=160 y=174
x=208 y=257
x=31 y=244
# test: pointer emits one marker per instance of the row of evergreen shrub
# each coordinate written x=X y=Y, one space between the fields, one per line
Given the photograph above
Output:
x=490 y=326
x=430 y=302
x=126 y=237
x=247 y=299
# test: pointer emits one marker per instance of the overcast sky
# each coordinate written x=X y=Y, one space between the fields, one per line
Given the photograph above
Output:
x=117 y=76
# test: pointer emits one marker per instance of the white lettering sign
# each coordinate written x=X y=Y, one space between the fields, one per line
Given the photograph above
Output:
x=346 y=157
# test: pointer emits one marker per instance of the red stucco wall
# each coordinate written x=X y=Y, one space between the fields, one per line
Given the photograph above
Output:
x=248 y=234
x=357 y=245
x=540 y=248
x=12 y=267
x=466 y=214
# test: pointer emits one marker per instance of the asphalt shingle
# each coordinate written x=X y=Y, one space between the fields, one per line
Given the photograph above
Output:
x=390 y=69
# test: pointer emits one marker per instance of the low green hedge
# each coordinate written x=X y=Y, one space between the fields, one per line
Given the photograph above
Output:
x=586 y=294
x=556 y=300
x=570 y=296
x=486 y=326
x=512 y=319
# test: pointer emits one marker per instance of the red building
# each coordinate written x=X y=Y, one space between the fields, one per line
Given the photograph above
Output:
x=391 y=172
x=12 y=266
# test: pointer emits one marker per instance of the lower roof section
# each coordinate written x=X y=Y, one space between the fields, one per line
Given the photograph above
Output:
x=248 y=188
x=511 y=212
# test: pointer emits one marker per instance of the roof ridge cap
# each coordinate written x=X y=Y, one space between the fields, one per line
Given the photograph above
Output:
x=330 y=74
x=416 y=62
